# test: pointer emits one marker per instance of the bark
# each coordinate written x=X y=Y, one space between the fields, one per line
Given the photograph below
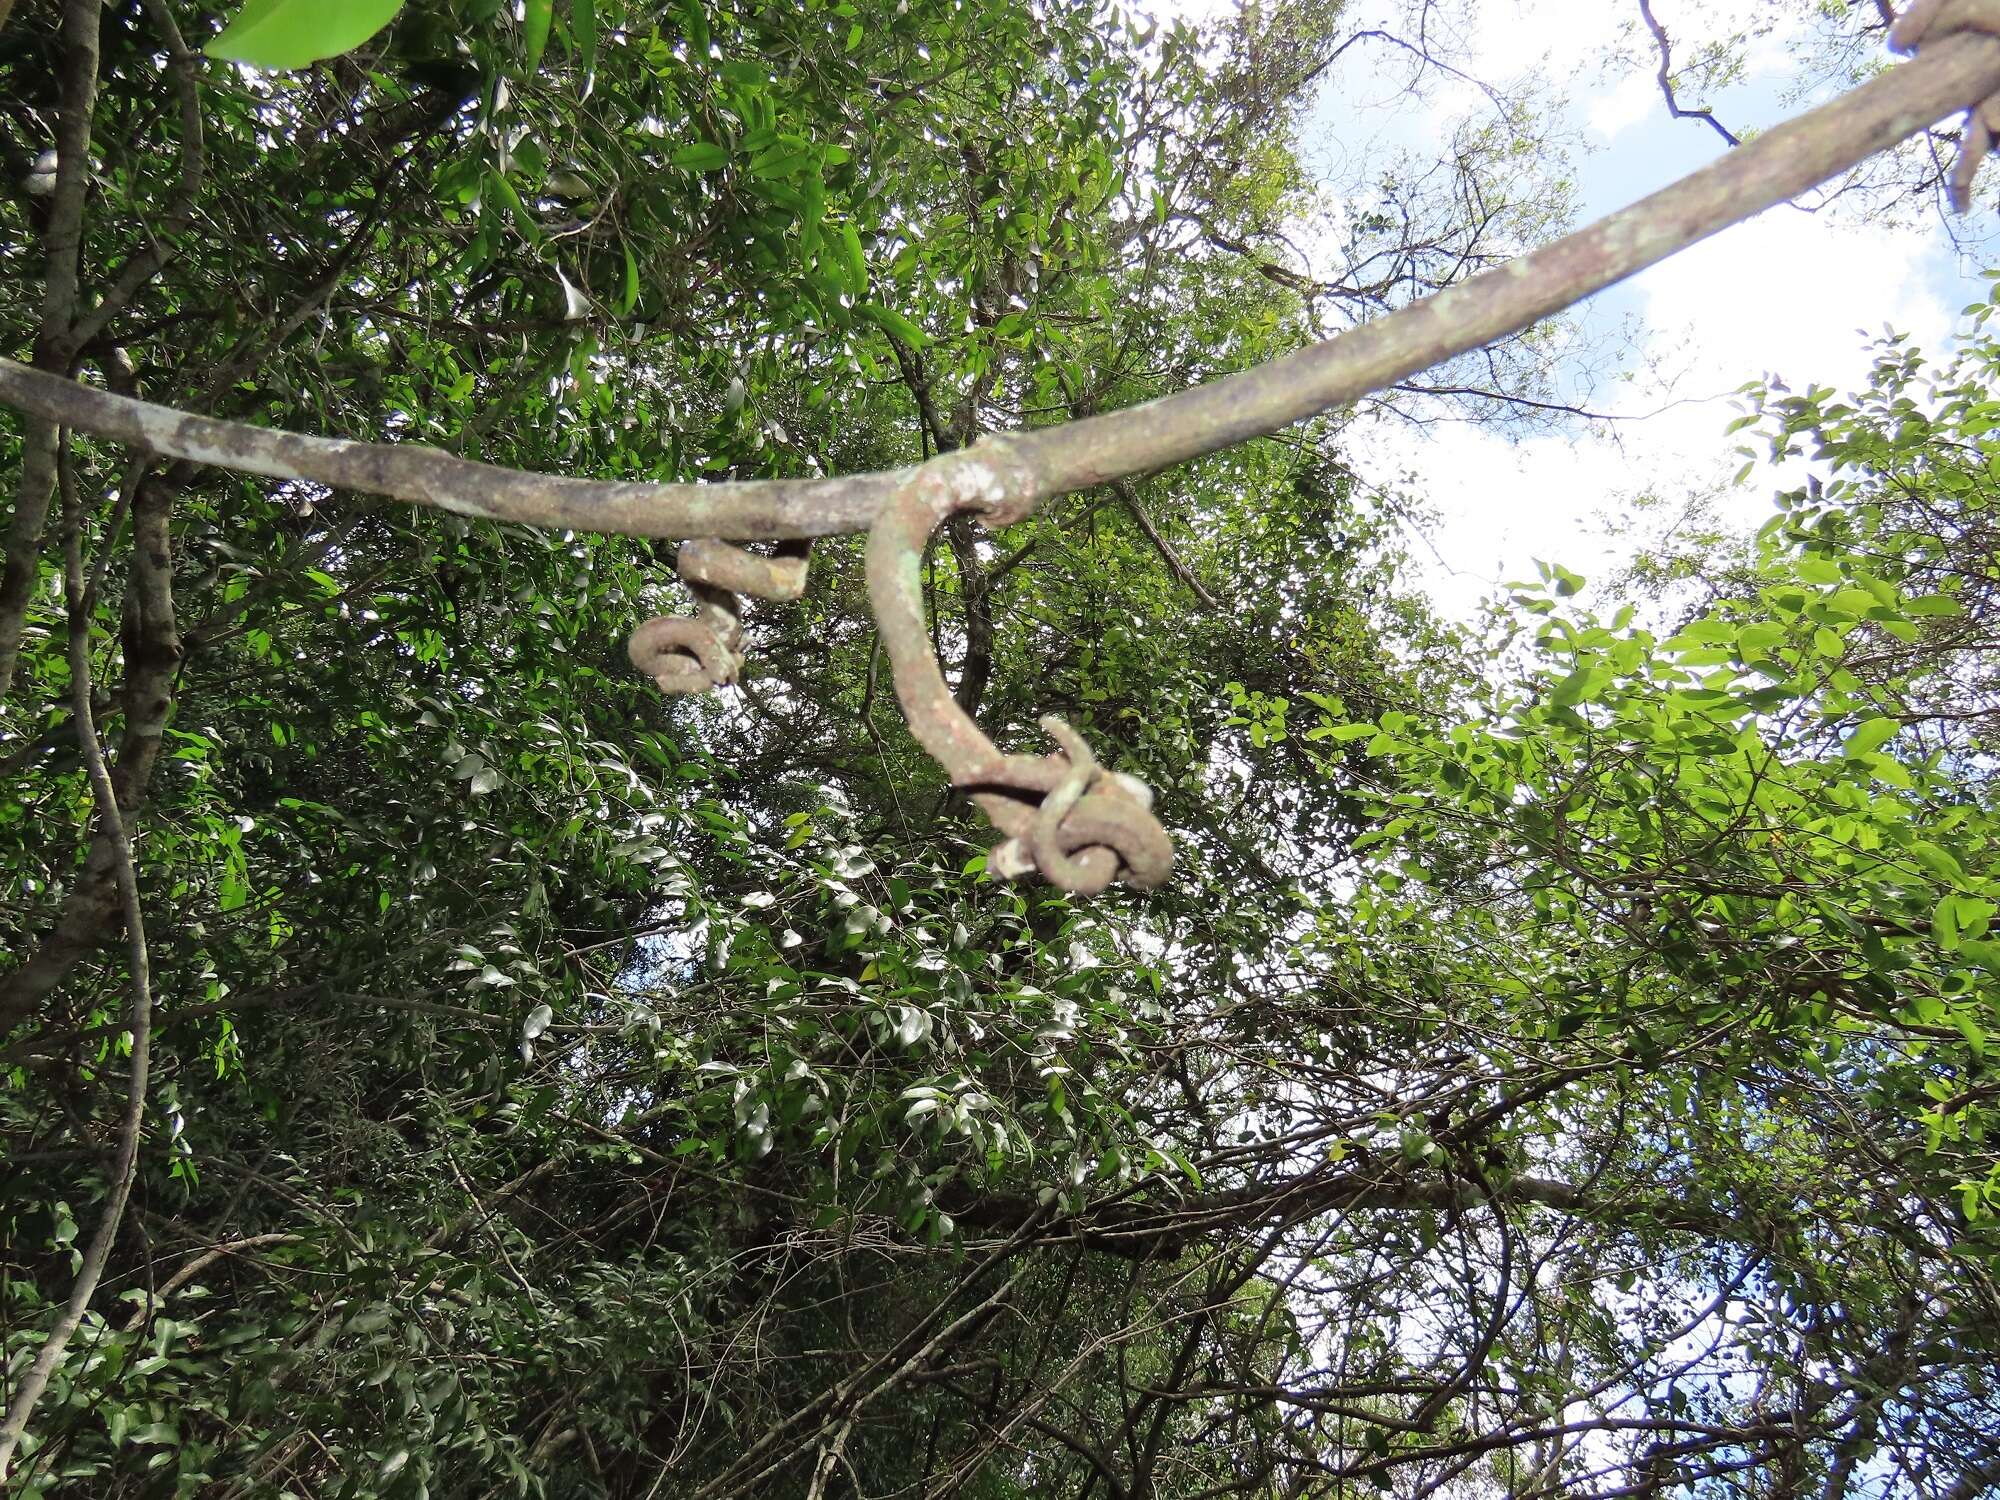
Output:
x=125 y=878
x=183 y=68
x=92 y=916
x=1171 y=558
x=977 y=599
x=54 y=347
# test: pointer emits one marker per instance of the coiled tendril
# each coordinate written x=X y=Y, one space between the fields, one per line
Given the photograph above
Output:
x=697 y=652
x=1063 y=816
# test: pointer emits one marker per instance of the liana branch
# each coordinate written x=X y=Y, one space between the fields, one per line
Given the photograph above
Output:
x=1063 y=816
x=1954 y=73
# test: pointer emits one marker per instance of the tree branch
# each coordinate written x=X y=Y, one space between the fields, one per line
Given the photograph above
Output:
x=1172 y=558
x=1165 y=1230
x=54 y=346
x=152 y=656
x=182 y=67
x=975 y=592
x=1667 y=78
x=142 y=1313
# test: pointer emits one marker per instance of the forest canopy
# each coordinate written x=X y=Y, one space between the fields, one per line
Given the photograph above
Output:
x=1563 y=1058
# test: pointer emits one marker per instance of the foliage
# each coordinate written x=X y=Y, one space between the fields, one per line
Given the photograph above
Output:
x=1562 y=1062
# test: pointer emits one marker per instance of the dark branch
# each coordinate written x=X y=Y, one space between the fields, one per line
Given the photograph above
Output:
x=1666 y=76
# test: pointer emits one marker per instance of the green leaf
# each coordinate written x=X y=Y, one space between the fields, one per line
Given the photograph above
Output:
x=854 y=262
x=1983 y=951
x=1763 y=636
x=511 y=200
x=694 y=26
x=1868 y=736
x=1936 y=860
x=1888 y=768
x=1970 y=914
x=1583 y=684
x=812 y=211
x=535 y=21
x=1940 y=605
x=628 y=293
x=281 y=34
x=891 y=321
x=583 y=27
x=1342 y=734
x=700 y=156
x=787 y=156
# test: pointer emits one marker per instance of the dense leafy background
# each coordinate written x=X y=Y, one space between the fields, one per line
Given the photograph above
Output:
x=1561 y=1064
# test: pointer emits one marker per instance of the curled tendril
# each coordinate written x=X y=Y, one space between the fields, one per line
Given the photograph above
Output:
x=1066 y=818
x=1062 y=816
x=1090 y=826
x=1045 y=833
x=697 y=652
x=684 y=653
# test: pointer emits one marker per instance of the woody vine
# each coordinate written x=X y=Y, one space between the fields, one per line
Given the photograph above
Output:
x=1064 y=817
x=1061 y=815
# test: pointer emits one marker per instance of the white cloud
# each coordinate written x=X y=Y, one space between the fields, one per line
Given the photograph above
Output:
x=1564 y=35
x=1628 y=102
x=1505 y=504
x=1788 y=295
x=1799 y=294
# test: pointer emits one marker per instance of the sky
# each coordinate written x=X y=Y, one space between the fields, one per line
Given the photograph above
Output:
x=1790 y=294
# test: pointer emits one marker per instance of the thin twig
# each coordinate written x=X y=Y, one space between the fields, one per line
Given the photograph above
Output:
x=1666 y=76
x=182 y=68
x=151 y=641
x=868 y=723
x=1172 y=558
x=54 y=347
x=144 y=1311
x=829 y=1457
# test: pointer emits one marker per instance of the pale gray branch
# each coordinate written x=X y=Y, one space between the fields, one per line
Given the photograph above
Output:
x=1953 y=73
